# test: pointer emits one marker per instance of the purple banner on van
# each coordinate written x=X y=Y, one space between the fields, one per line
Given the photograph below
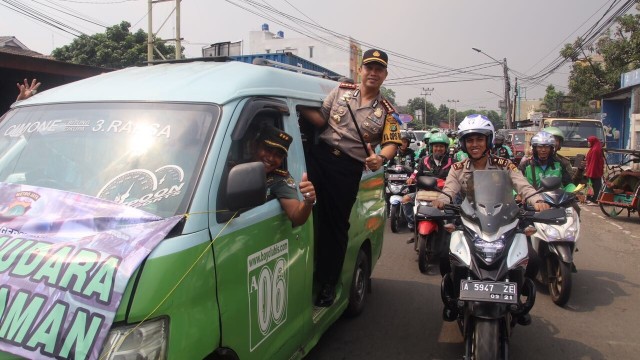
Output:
x=65 y=261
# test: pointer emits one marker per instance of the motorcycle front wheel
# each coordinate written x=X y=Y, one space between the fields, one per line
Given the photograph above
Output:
x=559 y=280
x=394 y=218
x=486 y=339
x=423 y=257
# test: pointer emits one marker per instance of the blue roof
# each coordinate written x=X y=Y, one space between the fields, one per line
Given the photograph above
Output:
x=198 y=81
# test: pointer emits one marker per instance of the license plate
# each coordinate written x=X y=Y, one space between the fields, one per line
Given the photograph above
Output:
x=397 y=177
x=502 y=292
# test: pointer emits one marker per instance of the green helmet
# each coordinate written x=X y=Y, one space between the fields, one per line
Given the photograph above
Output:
x=439 y=138
x=554 y=131
x=435 y=130
x=426 y=136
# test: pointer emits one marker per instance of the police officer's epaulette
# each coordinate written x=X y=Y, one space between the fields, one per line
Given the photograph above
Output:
x=458 y=166
x=346 y=85
x=504 y=163
x=281 y=172
x=387 y=106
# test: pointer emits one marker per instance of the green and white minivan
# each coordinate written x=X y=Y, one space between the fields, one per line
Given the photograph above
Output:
x=233 y=279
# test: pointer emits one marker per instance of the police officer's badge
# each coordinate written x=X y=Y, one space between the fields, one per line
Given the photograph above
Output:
x=347 y=96
x=394 y=127
x=341 y=111
x=378 y=112
x=291 y=183
x=336 y=118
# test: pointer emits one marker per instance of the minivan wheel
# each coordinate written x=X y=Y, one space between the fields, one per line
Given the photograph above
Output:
x=359 y=286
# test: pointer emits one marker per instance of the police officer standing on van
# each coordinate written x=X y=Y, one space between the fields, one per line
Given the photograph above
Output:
x=353 y=117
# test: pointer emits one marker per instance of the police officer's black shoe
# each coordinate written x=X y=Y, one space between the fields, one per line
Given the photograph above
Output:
x=326 y=296
x=524 y=319
x=449 y=314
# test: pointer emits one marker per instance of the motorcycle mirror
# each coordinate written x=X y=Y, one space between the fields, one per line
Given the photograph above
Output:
x=547 y=184
x=556 y=216
x=427 y=182
x=551 y=182
x=431 y=183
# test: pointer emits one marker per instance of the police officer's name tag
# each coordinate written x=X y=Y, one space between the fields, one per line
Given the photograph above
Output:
x=375 y=120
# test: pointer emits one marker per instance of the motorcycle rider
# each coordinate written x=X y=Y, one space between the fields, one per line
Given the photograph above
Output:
x=404 y=152
x=425 y=150
x=500 y=149
x=576 y=175
x=476 y=134
x=437 y=164
x=544 y=163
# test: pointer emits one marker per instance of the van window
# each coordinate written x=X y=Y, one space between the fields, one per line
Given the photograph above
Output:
x=518 y=139
x=143 y=155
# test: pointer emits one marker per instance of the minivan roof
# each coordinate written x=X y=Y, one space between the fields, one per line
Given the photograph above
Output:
x=198 y=81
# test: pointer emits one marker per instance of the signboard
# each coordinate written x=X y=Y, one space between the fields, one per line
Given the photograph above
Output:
x=65 y=261
x=630 y=78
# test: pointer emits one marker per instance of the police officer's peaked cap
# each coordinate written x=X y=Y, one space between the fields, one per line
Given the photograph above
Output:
x=275 y=138
x=377 y=56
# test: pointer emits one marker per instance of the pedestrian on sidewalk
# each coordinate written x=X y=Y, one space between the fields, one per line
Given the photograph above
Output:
x=595 y=167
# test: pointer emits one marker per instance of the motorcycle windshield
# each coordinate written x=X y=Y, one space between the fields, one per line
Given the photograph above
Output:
x=490 y=202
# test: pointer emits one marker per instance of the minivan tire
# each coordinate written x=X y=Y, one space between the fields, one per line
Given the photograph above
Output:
x=359 y=286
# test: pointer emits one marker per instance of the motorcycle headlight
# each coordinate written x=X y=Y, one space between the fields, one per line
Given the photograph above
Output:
x=146 y=340
x=489 y=250
x=552 y=233
x=570 y=233
x=395 y=188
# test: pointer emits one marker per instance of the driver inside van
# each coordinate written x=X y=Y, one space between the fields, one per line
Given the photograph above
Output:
x=271 y=148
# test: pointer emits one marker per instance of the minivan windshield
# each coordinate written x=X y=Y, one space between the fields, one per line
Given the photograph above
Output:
x=145 y=155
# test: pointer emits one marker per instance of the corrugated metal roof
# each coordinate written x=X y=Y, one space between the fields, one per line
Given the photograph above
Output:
x=198 y=81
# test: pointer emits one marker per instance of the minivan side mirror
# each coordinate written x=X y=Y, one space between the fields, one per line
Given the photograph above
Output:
x=246 y=186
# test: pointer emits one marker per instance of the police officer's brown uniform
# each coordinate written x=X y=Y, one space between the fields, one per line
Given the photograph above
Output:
x=460 y=174
x=335 y=168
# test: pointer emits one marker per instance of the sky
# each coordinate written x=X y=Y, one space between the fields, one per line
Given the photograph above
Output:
x=422 y=37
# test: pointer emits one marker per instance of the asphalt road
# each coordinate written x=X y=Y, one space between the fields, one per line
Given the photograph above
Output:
x=402 y=318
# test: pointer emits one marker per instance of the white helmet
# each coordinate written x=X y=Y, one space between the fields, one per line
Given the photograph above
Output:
x=476 y=124
x=543 y=138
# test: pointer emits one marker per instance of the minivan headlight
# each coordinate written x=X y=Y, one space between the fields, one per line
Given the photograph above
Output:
x=147 y=340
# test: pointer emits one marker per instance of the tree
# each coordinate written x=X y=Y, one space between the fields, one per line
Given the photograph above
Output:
x=552 y=98
x=389 y=94
x=619 y=51
x=116 y=48
x=417 y=104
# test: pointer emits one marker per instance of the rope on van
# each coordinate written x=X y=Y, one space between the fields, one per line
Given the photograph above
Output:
x=206 y=249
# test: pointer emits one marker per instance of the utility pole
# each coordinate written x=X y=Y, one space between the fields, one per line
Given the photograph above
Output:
x=455 y=113
x=425 y=92
x=507 y=87
x=515 y=101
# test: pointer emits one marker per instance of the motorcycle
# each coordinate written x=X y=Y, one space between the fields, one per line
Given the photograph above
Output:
x=395 y=188
x=486 y=290
x=431 y=240
x=553 y=247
